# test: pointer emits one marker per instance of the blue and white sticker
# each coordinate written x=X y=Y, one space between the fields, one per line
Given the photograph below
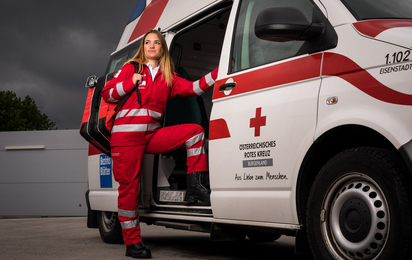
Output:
x=105 y=163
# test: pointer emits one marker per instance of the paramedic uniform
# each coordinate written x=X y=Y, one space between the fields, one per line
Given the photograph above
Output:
x=137 y=130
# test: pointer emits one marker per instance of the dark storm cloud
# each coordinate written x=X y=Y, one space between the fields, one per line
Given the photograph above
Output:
x=48 y=48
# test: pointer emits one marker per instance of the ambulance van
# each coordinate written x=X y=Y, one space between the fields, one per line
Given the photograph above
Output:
x=309 y=124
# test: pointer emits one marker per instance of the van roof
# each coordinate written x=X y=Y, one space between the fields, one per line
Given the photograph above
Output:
x=154 y=14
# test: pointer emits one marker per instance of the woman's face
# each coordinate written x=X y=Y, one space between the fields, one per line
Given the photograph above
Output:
x=152 y=47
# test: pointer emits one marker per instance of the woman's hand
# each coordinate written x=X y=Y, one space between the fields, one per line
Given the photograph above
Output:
x=137 y=78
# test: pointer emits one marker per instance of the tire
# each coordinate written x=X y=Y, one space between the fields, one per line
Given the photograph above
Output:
x=359 y=207
x=109 y=227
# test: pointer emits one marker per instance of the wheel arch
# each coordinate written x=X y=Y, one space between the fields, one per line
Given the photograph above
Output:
x=324 y=148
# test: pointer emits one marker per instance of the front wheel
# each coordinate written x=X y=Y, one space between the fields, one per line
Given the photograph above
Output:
x=359 y=207
x=109 y=227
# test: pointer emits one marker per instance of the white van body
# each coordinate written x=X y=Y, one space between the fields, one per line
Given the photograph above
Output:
x=304 y=121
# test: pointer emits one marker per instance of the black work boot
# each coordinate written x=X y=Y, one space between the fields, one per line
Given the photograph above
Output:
x=138 y=250
x=196 y=191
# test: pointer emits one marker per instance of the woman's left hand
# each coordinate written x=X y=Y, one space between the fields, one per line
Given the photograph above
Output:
x=137 y=78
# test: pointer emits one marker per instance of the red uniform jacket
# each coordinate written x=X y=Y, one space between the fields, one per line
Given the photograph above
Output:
x=135 y=120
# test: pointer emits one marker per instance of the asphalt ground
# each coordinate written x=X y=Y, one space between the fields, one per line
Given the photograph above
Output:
x=68 y=238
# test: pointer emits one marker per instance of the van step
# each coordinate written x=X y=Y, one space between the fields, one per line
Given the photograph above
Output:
x=184 y=226
x=172 y=195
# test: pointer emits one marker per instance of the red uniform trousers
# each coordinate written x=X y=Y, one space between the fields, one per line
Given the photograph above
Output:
x=127 y=162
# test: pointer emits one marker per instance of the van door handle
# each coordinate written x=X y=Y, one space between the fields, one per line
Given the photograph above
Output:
x=227 y=86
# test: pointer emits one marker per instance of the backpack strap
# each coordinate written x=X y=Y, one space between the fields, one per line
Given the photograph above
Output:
x=139 y=97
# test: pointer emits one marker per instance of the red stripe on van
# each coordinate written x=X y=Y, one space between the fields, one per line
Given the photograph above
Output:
x=307 y=68
x=218 y=129
x=149 y=18
x=374 y=27
x=283 y=73
x=345 y=68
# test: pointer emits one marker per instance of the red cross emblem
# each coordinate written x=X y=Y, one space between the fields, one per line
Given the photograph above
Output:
x=258 y=121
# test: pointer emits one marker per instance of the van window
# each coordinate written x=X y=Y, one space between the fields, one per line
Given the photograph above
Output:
x=117 y=63
x=118 y=60
x=250 y=51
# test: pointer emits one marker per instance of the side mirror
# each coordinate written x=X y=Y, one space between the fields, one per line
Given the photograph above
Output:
x=281 y=24
x=91 y=82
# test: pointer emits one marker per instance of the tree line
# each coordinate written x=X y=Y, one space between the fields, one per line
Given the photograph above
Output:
x=22 y=115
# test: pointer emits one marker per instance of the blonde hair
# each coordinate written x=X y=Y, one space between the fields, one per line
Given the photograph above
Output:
x=165 y=63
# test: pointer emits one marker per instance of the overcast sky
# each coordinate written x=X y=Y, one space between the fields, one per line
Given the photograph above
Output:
x=49 y=47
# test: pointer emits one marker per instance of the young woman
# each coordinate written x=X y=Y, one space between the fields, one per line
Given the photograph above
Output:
x=137 y=130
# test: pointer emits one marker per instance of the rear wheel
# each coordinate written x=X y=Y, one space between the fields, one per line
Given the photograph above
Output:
x=359 y=207
x=109 y=227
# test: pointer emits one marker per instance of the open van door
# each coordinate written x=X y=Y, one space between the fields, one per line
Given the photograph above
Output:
x=264 y=109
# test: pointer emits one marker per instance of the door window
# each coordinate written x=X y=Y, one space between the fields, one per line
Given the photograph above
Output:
x=248 y=50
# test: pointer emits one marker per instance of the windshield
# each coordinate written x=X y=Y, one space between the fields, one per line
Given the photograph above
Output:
x=379 y=9
x=118 y=60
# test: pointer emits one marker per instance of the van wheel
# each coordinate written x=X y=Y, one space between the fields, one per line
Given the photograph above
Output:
x=109 y=227
x=359 y=207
